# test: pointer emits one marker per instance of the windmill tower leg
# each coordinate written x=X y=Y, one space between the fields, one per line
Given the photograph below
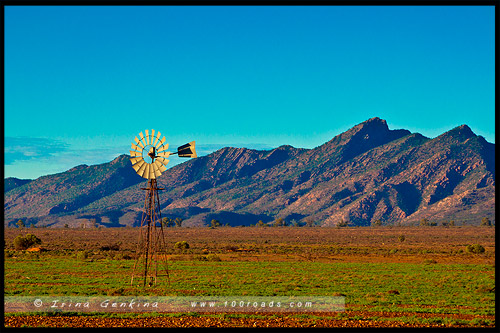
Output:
x=151 y=247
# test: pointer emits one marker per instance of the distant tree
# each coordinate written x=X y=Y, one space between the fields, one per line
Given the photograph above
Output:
x=66 y=225
x=424 y=222
x=167 y=222
x=485 y=222
x=279 y=222
x=451 y=223
x=342 y=223
x=214 y=224
x=309 y=222
x=260 y=224
x=376 y=223
x=178 y=222
x=20 y=223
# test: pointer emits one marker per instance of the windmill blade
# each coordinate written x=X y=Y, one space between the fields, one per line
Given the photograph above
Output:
x=151 y=174
x=135 y=160
x=147 y=136
x=142 y=139
x=145 y=172
x=161 y=142
x=135 y=153
x=139 y=142
x=162 y=148
x=137 y=166
x=156 y=169
x=163 y=161
x=151 y=137
x=136 y=147
x=141 y=170
x=160 y=166
x=157 y=138
x=164 y=154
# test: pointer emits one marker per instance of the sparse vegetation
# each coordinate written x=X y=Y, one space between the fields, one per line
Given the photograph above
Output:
x=24 y=242
x=261 y=224
x=178 y=222
x=475 y=248
x=111 y=247
x=426 y=223
x=214 y=224
x=182 y=245
x=362 y=264
x=82 y=255
x=309 y=222
x=20 y=224
x=485 y=222
x=279 y=222
x=342 y=223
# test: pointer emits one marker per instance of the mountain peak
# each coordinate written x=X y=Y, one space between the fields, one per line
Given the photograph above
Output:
x=372 y=124
x=375 y=120
x=363 y=137
x=459 y=133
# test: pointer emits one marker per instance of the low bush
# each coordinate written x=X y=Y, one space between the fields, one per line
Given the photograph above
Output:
x=182 y=245
x=112 y=247
x=24 y=242
x=82 y=255
x=213 y=257
x=474 y=248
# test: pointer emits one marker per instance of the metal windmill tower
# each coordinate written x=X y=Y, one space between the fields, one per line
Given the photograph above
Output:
x=149 y=160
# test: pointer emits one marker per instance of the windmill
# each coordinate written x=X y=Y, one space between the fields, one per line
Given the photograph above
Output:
x=149 y=159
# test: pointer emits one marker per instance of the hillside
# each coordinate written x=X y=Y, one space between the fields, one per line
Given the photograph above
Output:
x=366 y=173
x=12 y=182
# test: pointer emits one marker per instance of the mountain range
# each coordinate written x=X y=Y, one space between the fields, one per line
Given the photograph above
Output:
x=365 y=174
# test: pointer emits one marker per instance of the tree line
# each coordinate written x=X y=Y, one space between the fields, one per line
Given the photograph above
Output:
x=168 y=222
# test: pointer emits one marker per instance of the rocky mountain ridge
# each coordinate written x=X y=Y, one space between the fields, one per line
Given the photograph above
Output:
x=364 y=174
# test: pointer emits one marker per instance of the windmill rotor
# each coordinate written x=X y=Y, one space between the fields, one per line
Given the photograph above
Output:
x=149 y=154
x=143 y=155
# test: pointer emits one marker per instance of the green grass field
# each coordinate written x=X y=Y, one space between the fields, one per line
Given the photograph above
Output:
x=383 y=290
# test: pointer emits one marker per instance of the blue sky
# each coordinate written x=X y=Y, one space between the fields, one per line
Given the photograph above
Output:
x=82 y=82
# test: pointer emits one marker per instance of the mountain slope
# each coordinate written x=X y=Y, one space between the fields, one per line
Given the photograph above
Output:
x=366 y=173
x=67 y=192
x=12 y=182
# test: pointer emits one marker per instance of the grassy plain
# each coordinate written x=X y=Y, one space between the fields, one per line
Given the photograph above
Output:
x=426 y=278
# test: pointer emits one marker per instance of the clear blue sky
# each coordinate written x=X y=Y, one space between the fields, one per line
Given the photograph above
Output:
x=82 y=82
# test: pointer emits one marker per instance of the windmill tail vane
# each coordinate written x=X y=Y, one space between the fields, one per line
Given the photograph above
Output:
x=149 y=160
